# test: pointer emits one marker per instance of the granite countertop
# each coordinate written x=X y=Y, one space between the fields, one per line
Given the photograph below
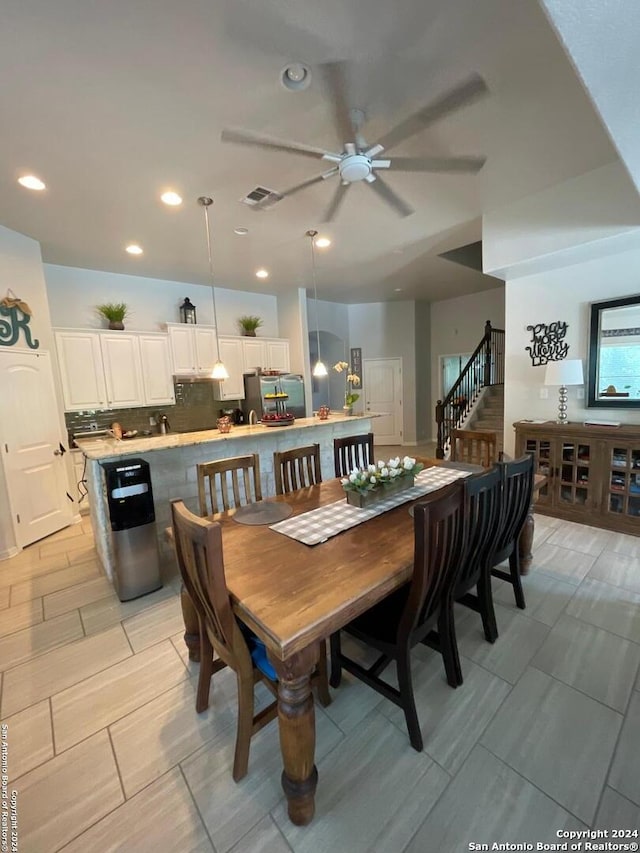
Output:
x=111 y=448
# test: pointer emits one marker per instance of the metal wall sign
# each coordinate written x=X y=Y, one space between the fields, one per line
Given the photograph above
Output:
x=18 y=315
x=547 y=342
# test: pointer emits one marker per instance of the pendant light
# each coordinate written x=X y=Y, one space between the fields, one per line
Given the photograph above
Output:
x=219 y=370
x=320 y=368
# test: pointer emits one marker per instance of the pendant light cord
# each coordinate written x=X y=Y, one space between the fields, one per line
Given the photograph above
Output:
x=312 y=235
x=206 y=203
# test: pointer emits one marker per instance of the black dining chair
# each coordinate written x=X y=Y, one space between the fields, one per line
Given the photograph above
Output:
x=517 y=488
x=405 y=618
x=353 y=451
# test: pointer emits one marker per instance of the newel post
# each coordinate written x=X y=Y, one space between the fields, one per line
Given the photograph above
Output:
x=487 y=354
x=440 y=423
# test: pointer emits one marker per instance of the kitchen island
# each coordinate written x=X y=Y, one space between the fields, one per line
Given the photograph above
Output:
x=173 y=458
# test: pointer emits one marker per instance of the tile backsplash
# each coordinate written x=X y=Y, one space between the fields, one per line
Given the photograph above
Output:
x=194 y=408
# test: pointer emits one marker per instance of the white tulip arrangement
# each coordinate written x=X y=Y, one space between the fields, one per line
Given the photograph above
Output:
x=376 y=476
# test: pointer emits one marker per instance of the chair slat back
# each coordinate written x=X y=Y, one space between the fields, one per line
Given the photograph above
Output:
x=482 y=504
x=297 y=469
x=353 y=451
x=517 y=489
x=198 y=545
x=216 y=478
x=438 y=552
x=475 y=446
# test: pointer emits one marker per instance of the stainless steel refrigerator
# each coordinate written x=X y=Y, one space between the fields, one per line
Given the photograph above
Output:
x=255 y=388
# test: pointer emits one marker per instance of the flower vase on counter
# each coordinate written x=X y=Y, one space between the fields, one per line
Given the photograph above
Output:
x=347 y=410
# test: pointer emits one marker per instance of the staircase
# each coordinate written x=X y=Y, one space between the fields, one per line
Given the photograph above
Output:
x=489 y=414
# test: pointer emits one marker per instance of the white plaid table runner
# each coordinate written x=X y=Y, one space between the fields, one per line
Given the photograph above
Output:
x=321 y=524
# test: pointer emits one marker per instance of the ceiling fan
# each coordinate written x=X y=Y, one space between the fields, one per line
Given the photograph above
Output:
x=360 y=161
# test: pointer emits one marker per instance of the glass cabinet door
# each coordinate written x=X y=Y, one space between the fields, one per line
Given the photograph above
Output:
x=574 y=473
x=543 y=449
x=622 y=485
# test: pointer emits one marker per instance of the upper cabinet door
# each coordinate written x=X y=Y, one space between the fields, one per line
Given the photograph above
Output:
x=206 y=353
x=254 y=353
x=122 y=369
x=183 y=350
x=231 y=355
x=80 y=360
x=157 y=373
x=278 y=356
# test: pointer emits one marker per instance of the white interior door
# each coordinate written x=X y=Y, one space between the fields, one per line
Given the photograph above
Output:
x=383 y=394
x=30 y=438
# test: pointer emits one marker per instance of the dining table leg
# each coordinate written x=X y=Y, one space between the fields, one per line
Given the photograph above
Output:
x=296 y=720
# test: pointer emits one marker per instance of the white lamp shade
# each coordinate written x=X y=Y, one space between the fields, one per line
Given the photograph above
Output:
x=219 y=371
x=566 y=372
x=320 y=369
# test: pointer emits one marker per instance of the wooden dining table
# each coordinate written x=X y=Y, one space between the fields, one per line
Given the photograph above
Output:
x=293 y=596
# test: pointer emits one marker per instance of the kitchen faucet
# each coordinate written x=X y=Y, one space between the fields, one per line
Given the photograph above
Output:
x=253 y=418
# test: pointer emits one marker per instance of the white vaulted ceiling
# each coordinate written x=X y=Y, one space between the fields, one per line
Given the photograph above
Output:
x=111 y=103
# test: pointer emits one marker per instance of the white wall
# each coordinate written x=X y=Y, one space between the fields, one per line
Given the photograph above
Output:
x=457 y=326
x=74 y=294
x=562 y=294
x=21 y=270
x=387 y=330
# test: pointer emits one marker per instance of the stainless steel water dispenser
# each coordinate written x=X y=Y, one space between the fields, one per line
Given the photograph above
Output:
x=133 y=528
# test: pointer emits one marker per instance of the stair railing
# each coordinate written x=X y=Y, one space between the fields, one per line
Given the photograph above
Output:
x=484 y=368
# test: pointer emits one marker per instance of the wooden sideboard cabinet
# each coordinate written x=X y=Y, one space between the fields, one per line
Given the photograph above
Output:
x=593 y=472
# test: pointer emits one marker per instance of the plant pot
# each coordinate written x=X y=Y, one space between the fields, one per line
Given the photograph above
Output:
x=249 y=333
x=347 y=410
x=365 y=500
x=116 y=325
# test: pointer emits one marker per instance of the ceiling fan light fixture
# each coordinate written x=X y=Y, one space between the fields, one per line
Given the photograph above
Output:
x=296 y=76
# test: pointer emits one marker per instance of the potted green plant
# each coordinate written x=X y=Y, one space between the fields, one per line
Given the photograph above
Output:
x=114 y=312
x=249 y=324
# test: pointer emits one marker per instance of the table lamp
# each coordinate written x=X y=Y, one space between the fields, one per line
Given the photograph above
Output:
x=563 y=373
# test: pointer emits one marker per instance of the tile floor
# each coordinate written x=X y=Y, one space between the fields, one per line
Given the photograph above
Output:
x=106 y=752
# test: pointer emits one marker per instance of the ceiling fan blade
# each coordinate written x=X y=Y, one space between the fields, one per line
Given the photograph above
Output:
x=296 y=189
x=470 y=90
x=336 y=201
x=437 y=164
x=258 y=140
x=335 y=78
x=385 y=192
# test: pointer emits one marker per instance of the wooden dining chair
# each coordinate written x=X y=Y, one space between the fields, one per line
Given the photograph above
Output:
x=517 y=489
x=297 y=468
x=406 y=617
x=198 y=544
x=214 y=479
x=475 y=446
x=353 y=451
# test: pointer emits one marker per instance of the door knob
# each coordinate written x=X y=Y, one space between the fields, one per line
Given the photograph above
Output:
x=57 y=453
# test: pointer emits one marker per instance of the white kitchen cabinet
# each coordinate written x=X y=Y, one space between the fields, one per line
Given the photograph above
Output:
x=110 y=370
x=122 y=370
x=157 y=378
x=278 y=355
x=232 y=357
x=193 y=349
x=81 y=370
x=254 y=353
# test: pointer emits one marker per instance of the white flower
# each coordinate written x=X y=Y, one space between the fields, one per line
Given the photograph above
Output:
x=408 y=463
x=371 y=469
x=394 y=472
x=394 y=463
x=340 y=366
x=344 y=481
x=353 y=477
x=381 y=464
x=372 y=480
x=384 y=472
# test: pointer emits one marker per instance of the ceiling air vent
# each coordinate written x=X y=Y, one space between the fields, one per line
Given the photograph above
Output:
x=261 y=196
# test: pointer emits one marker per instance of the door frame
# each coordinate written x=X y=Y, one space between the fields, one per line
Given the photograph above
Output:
x=441 y=359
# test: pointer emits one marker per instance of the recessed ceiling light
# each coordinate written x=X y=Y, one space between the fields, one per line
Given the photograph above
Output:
x=262 y=274
x=398 y=290
x=32 y=183
x=322 y=242
x=171 y=198
x=134 y=249
x=240 y=230
x=295 y=76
